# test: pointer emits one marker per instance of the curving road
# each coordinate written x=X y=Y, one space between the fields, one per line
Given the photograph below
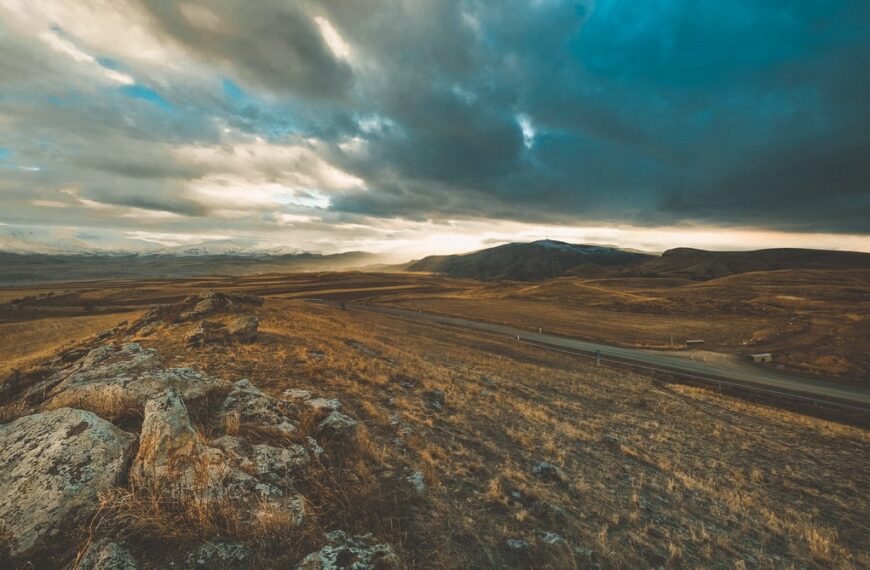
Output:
x=821 y=389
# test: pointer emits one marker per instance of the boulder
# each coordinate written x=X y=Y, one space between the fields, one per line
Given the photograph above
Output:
x=305 y=398
x=548 y=471
x=167 y=444
x=243 y=328
x=417 y=482
x=205 y=333
x=344 y=552
x=250 y=407
x=107 y=555
x=435 y=399
x=210 y=302
x=337 y=425
x=275 y=465
x=53 y=466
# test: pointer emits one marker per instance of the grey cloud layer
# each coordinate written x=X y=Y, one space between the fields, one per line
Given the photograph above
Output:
x=746 y=113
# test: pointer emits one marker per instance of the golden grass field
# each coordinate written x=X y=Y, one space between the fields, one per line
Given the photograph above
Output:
x=655 y=473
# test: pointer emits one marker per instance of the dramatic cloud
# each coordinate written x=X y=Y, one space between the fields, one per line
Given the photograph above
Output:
x=335 y=125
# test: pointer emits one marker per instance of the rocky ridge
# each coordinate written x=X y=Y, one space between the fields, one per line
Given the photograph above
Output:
x=119 y=421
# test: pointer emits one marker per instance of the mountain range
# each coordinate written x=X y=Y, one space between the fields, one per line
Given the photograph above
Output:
x=546 y=259
x=68 y=260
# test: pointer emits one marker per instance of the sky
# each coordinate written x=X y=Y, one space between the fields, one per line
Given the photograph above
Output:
x=421 y=126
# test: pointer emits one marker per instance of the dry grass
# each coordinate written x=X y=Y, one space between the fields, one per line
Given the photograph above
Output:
x=655 y=474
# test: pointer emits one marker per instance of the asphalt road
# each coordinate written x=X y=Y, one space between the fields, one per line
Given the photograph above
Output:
x=821 y=389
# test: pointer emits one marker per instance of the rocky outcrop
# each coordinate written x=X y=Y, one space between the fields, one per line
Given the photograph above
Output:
x=238 y=329
x=240 y=463
x=207 y=332
x=115 y=381
x=53 y=466
x=243 y=329
x=345 y=552
x=208 y=303
x=247 y=406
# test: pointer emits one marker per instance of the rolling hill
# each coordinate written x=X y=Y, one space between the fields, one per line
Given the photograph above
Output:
x=526 y=261
x=545 y=259
x=700 y=265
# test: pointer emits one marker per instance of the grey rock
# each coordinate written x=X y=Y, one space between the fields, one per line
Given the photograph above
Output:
x=296 y=394
x=167 y=444
x=417 y=482
x=548 y=471
x=253 y=408
x=107 y=555
x=207 y=332
x=435 y=399
x=113 y=381
x=219 y=555
x=53 y=466
x=516 y=545
x=552 y=538
x=329 y=404
x=243 y=329
x=345 y=552
x=337 y=425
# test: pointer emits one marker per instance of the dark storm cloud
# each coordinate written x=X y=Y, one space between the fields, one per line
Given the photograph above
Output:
x=274 y=44
x=744 y=113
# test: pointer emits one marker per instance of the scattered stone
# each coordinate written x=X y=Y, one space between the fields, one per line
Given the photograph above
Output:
x=516 y=545
x=546 y=510
x=405 y=381
x=345 y=552
x=107 y=555
x=418 y=482
x=53 y=466
x=219 y=555
x=337 y=425
x=435 y=399
x=361 y=347
x=548 y=471
x=552 y=539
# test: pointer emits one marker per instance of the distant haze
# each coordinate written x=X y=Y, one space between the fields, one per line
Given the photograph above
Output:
x=433 y=126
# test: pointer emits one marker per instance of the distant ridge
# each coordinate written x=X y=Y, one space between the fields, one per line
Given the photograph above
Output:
x=36 y=268
x=546 y=259
x=533 y=261
x=701 y=265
